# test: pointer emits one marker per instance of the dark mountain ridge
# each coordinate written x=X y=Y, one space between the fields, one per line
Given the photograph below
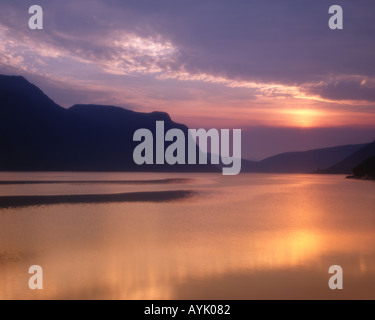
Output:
x=366 y=170
x=36 y=134
x=301 y=162
x=347 y=164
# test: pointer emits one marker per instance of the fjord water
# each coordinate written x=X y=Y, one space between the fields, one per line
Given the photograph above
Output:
x=252 y=236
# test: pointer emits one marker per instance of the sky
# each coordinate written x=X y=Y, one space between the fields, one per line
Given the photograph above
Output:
x=272 y=68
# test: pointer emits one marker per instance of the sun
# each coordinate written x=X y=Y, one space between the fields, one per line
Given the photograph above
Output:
x=305 y=118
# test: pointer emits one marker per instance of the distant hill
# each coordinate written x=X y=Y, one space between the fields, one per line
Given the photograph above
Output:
x=301 y=162
x=346 y=165
x=36 y=134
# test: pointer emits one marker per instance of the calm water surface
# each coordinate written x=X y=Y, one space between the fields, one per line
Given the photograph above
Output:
x=246 y=237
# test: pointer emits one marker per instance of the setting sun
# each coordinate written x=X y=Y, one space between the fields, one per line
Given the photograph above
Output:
x=185 y=151
x=304 y=118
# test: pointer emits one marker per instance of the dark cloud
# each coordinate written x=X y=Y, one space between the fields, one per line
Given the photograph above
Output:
x=351 y=89
x=274 y=41
x=265 y=40
x=285 y=42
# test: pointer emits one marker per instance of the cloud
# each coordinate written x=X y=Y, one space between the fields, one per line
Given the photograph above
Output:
x=286 y=42
x=274 y=41
x=345 y=88
x=263 y=61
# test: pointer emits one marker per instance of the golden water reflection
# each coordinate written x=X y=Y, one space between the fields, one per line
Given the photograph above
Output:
x=255 y=236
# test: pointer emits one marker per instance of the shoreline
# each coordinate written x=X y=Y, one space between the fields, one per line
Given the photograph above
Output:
x=7 y=202
x=161 y=181
x=361 y=178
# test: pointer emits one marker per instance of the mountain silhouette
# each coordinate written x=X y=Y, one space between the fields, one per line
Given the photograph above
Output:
x=36 y=134
x=301 y=162
x=346 y=165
